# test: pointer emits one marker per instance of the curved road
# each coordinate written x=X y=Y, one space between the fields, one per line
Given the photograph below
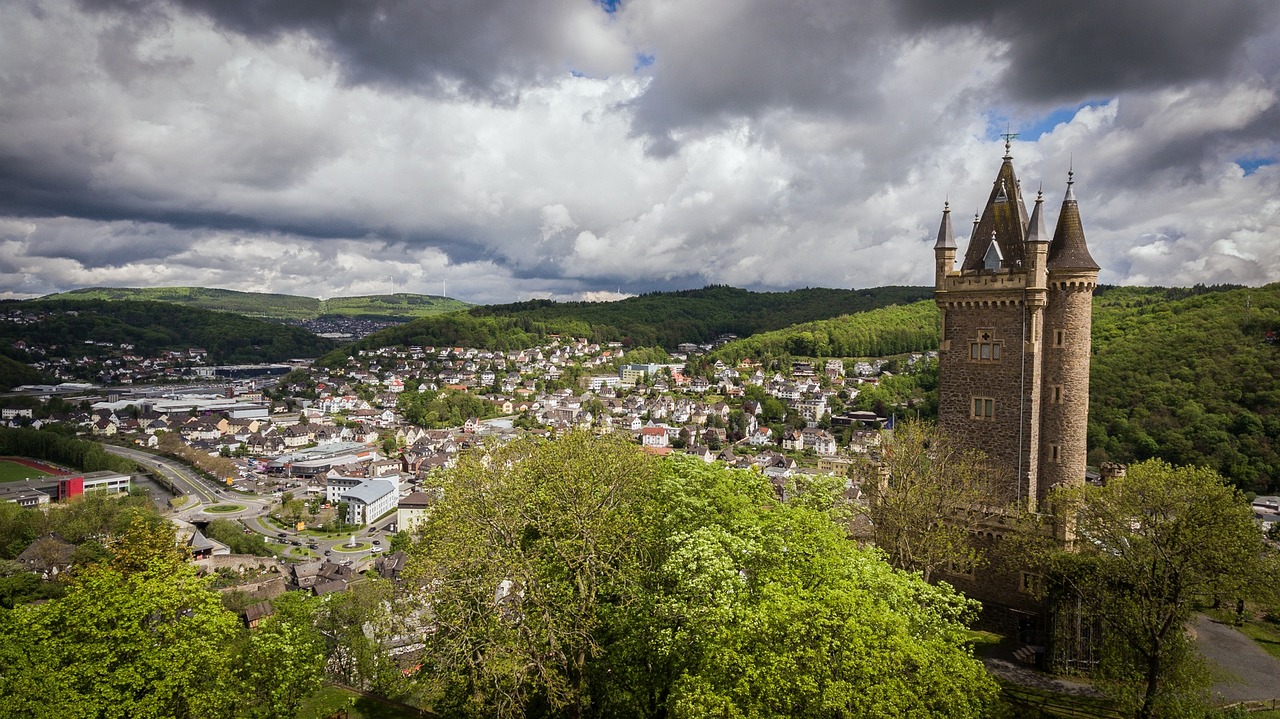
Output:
x=204 y=494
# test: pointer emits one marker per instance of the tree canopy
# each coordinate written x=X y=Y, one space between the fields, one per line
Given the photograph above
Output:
x=1150 y=545
x=584 y=578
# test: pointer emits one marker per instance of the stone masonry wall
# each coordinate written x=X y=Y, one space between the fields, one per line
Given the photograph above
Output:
x=1006 y=381
x=1065 y=422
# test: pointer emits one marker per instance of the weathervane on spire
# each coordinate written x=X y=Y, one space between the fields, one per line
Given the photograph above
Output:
x=1008 y=140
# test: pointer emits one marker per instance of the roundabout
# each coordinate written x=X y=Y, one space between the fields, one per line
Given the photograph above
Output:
x=224 y=508
x=358 y=547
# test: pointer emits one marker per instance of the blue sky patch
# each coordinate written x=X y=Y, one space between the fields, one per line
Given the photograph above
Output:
x=1032 y=129
x=642 y=60
x=609 y=6
x=1250 y=165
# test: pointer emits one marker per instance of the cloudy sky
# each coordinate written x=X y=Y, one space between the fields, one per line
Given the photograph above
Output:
x=507 y=149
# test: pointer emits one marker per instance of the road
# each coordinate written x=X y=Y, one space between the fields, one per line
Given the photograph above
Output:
x=202 y=495
x=199 y=492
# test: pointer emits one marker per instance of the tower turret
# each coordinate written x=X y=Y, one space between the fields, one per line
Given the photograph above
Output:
x=1072 y=278
x=944 y=250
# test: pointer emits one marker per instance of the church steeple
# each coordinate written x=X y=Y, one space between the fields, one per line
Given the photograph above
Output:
x=1067 y=250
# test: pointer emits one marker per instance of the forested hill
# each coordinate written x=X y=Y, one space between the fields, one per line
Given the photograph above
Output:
x=399 y=307
x=69 y=328
x=1189 y=379
x=663 y=319
x=668 y=318
x=875 y=333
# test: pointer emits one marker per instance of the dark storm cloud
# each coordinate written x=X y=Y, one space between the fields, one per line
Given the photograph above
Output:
x=721 y=60
x=1072 y=49
x=486 y=47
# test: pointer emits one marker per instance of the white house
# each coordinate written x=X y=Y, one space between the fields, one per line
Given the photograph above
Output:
x=369 y=500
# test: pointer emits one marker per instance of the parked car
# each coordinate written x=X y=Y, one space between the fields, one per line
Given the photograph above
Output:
x=327 y=552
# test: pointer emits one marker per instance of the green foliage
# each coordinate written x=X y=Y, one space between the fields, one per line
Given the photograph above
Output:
x=926 y=499
x=1189 y=377
x=91 y=518
x=582 y=577
x=399 y=306
x=153 y=327
x=59 y=449
x=1152 y=544
x=875 y=332
x=443 y=409
x=14 y=373
x=358 y=622
x=232 y=534
x=129 y=639
x=281 y=663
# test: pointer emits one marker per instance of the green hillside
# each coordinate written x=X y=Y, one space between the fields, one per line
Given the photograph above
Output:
x=1189 y=379
x=400 y=306
x=63 y=327
x=663 y=319
x=14 y=373
x=668 y=318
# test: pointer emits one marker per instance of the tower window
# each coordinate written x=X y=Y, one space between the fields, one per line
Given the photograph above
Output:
x=985 y=349
x=983 y=408
x=1055 y=396
x=1059 y=338
x=1055 y=453
x=1029 y=583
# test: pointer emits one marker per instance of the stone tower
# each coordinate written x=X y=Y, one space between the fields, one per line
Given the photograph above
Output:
x=1015 y=342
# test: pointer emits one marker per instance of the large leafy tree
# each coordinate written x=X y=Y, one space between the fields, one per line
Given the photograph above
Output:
x=926 y=498
x=519 y=555
x=1149 y=546
x=137 y=636
x=582 y=577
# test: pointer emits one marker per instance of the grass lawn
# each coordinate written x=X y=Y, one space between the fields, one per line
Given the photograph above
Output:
x=1266 y=634
x=12 y=471
x=330 y=700
x=224 y=508
x=360 y=547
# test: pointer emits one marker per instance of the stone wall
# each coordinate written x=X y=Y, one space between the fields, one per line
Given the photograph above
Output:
x=1010 y=381
x=1065 y=410
x=240 y=563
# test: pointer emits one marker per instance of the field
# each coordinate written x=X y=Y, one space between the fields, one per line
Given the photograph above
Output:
x=11 y=471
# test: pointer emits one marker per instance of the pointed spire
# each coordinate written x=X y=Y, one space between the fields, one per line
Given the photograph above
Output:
x=1035 y=228
x=946 y=238
x=1003 y=220
x=1067 y=250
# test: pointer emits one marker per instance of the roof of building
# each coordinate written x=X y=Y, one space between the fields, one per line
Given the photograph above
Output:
x=1068 y=250
x=1003 y=221
x=946 y=237
x=370 y=491
x=417 y=500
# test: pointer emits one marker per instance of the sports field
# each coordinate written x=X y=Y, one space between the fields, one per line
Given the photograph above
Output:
x=12 y=471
